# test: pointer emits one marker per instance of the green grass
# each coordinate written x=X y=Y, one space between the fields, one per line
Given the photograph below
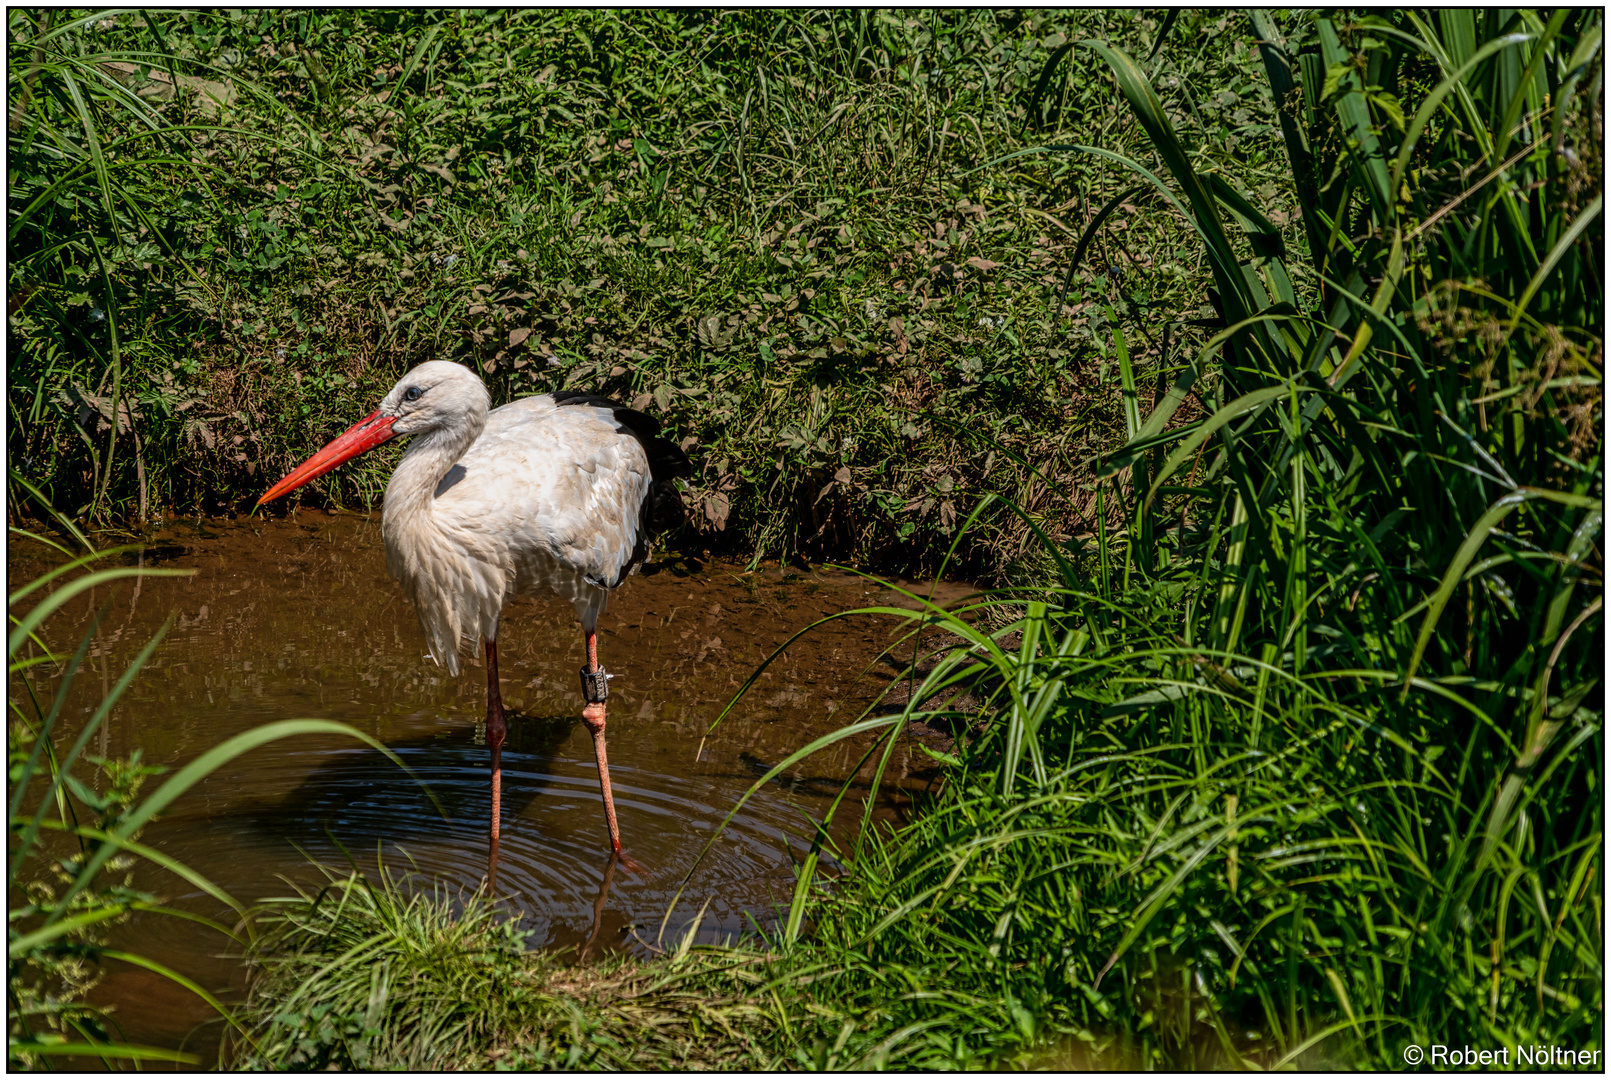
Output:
x=367 y=977
x=1252 y=794
x=748 y=221
x=396 y=973
x=1258 y=799
x=1290 y=726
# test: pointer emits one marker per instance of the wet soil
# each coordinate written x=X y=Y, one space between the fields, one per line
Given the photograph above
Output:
x=296 y=618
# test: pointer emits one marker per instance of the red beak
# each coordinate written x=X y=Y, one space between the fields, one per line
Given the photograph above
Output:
x=365 y=435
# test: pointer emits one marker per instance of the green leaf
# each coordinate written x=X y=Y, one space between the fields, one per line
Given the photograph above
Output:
x=1335 y=73
x=1197 y=436
x=1451 y=577
x=1354 y=116
x=186 y=778
x=168 y=863
x=1153 y=904
x=174 y=976
x=801 y=754
x=1568 y=238
x=65 y=522
x=83 y=560
x=1149 y=110
x=1127 y=379
x=1434 y=101
x=99 y=1050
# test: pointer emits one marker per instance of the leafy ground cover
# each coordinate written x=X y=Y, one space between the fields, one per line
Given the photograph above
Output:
x=775 y=229
x=1287 y=750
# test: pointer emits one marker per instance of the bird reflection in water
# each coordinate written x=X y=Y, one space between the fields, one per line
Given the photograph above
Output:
x=599 y=902
x=598 y=907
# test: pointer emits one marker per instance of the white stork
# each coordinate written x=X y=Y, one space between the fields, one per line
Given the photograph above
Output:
x=560 y=491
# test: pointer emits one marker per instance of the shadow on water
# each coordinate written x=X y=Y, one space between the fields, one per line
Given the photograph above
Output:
x=297 y=618
x=362 y=797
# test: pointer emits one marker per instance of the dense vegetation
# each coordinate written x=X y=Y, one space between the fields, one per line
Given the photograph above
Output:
x=1289 y=752
x=799 y=263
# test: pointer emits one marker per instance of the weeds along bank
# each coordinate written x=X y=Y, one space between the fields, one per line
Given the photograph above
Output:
x=1294 y=757
x=232 y=231
x=1299 y=762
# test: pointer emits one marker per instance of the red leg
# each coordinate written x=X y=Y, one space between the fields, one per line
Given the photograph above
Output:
x=496 y=730
x=595 y=690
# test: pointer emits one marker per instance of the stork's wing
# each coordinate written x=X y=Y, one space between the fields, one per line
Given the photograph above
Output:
x=666 y=460
x=569 y=490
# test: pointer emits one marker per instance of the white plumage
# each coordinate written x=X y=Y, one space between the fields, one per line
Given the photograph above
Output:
x=486 y=506
x=558 y=492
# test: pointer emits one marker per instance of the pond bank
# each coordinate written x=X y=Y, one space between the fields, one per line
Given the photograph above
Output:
x=296 y=617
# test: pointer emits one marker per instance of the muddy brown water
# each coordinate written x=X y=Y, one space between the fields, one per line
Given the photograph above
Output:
x=296 y=618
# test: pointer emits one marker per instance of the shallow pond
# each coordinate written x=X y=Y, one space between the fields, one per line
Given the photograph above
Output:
x=296 y=618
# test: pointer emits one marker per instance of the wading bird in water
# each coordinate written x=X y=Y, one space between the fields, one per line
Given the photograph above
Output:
x=560 y=492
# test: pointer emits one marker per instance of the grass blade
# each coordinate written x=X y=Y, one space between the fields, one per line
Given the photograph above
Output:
x=188 y=776
x=1451 y=578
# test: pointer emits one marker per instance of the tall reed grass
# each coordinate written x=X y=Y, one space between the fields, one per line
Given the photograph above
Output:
x=1297 y=764
x=1299 y=767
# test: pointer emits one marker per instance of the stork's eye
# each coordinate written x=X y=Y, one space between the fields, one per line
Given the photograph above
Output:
x=412 y=393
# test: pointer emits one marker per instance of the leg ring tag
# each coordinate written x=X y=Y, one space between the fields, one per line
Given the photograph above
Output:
x=595 y=686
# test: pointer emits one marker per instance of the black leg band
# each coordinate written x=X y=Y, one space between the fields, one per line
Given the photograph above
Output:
x=595 y=686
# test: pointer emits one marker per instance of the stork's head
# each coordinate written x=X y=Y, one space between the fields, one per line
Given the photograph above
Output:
x=437 y=399
x=438 y=394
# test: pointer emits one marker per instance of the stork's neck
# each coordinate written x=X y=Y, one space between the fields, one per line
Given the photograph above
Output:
x=430 y=455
